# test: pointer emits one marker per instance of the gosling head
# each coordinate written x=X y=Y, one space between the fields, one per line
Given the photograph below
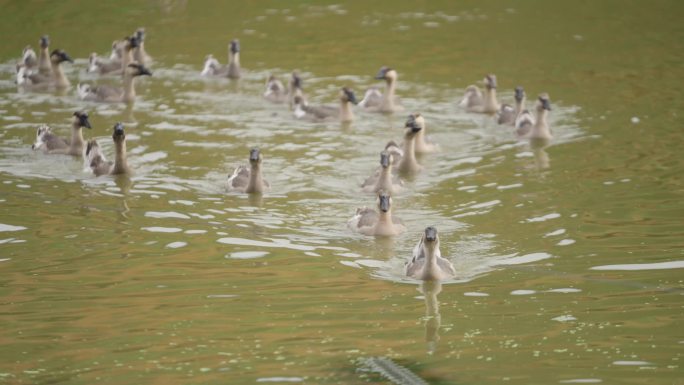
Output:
x=490 y=81
x=140 y=34
x=135 y=69
x=254 y=157
x=296 y=81
x=347 y=95
x=414 y=123
x=81 y=119
x=430 y=237
x=519 y=94
x=544 y=102
x=234 y=46
x=58 y=56
x=44 y=41
x=132 y=42
x=384 y=201
x=118 y=135
x=385 y=159
x=299 y=101
x=28 y=55
x=386 y=73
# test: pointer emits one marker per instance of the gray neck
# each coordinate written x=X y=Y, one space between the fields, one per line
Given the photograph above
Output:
x=120 y=159
x=491 y=104
x=77 y=142
x=519 y=106
x=44 y=64
x=408 y=161
x=256 y=181
x=385 y=180
x=129 y=89
x=541 y=127
x=126 y=59
x=58 y=75
x=385 y=218
x=388 y=96
x=234 y=58
x=346 y=113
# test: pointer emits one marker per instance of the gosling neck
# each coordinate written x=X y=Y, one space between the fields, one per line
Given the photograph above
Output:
x=408 y=161
x=256 y=180
x=519 y=106
x=388 y=96
x=140 y=54
x=385 y=180
x=234 y=58
x=491 y=104
x=126 y=59
x=385 y=218
x=421 y=145
x=58 y=74
x=77 y=143
x=234 y=65
x=44 y=64
x=120 y=158
x=346 y=113
x=129 y=89
x=541 y=127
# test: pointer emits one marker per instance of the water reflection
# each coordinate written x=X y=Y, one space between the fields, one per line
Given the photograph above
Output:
x=433 y=319
x=541 y=157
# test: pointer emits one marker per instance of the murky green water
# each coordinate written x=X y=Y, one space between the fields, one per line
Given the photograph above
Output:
x=569 y=259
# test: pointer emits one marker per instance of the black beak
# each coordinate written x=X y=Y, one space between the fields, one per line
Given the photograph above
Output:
x=350 y=96
x=144 y=71
x=134 y=42
x=381 y=74
x=84 y=121
x=491 y=81
x=44 y=41
x=140 y=34
x=254 y=155
x=519 y=93
x=384 y=203
x=430 y=234
x=234 y=46
x=545 y=104
x=411 y=123
x=385 y=159
x=118 y=130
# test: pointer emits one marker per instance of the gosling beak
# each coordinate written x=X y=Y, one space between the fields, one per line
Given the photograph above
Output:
x=65 y=57
x=384 y=203
x=381 y=74
x=519 y=93
x=234 y=46
x=84 y=121
x=44 y=41
x=145 y=71
x=412 y=124
x=430 y=234
x=351 y=96
x=135 y=43
x=254 y=155
x=118 y=131
x=384 y=159
x=545 y=104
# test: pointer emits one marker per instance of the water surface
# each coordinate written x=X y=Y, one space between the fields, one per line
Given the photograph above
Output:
x=569 y=257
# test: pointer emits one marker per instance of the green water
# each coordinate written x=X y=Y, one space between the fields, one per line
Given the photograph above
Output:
x=569 y=258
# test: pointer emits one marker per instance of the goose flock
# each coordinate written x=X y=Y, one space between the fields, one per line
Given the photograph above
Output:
x=129 y=60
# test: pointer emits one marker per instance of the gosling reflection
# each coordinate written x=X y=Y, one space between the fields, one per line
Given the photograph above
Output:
x=541 y=157
x=433 y=320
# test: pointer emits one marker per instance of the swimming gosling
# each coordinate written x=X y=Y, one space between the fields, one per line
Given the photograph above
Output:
x=382 y=178
x=249 y=180
x=507 y=113
x=101 y=166
x=427 y=263
x=535 y=127
x=378 y=223
x=53 y=144
x=109 y=94
x=474 y=101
